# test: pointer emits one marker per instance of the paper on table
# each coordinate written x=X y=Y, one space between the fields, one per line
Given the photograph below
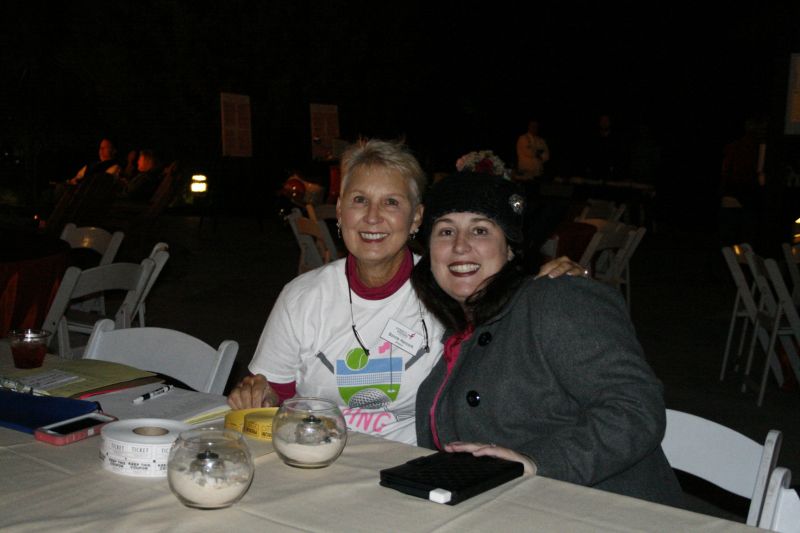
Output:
x=94 y=374
x=49 y=379
x=178 y=404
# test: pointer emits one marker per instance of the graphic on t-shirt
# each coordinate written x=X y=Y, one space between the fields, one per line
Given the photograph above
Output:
x=368 y=382
x=356 y=359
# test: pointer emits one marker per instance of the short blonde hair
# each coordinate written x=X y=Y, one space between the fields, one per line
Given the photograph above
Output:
x=391 y=155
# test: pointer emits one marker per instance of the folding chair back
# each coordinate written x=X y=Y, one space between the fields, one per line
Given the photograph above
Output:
x=722 y=456
x=165 y=351
x=314 y=239
x=609 y=252
x=770 y=323
x=608 y=237
x=78 y=283
x=93 y=238
x=159 y=255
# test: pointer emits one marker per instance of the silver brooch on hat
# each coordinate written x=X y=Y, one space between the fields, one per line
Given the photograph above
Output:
x=517 y=203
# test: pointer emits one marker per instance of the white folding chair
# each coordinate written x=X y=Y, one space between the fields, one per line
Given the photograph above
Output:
x=608 y=255
x=722 y=456
x=781 y=504
x=314 y=239
x=77 y=283
x=788 y=316
x=745 y=309
x=166 y=351
x=618 y=272
x=101 y=241
x=609 y=236
x=159 y=255
x=772 y=320
x=791 y=255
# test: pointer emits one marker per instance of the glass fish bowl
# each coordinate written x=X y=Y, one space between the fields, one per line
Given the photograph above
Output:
x=309 y=432
x=210 y=467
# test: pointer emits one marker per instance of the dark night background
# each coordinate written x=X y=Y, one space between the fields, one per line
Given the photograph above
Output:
x=450 y=77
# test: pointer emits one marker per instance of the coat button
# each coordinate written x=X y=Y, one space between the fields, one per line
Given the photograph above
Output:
x=485 y=338
x=473 y=398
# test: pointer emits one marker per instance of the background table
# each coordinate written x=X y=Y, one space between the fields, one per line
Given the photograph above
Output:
x=50 y=488
x=31 y=267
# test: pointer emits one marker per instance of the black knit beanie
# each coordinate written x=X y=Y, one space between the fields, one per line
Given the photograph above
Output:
x=498 y=199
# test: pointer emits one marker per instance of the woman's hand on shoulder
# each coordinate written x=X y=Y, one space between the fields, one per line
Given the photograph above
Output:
x=562 y=266
x=252 y=392
x=493 y=450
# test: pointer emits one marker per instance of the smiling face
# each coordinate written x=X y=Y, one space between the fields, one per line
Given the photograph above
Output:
x=377 y=211
x=466 y=249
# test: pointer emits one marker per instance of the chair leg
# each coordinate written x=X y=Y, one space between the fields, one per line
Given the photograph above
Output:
x=763 y=384
x=750 y=354
x=764 y=373
x=790 y=348
x=731 y=329
x=745 y=323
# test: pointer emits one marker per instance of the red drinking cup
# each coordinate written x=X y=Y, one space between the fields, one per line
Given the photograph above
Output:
x=28 y=347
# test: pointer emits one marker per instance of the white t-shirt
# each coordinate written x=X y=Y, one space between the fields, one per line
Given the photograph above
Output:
x=309 y=339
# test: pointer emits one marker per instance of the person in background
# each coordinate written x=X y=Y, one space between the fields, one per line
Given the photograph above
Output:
x=546 y=372
x=107 y=163
x=333 y=331
x=742 y=183
x=607 y=152
x=532 y=153
x=130 y=170
x=144 y=184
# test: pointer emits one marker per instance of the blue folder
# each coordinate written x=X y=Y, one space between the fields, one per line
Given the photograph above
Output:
x=26 y=412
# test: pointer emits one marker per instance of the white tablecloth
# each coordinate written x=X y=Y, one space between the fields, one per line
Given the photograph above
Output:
x=63 y=489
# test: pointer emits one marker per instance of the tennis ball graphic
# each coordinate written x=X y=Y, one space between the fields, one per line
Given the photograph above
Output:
x=356 y=359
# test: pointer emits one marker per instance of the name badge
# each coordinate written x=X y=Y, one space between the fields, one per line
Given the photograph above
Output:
x=402 y=337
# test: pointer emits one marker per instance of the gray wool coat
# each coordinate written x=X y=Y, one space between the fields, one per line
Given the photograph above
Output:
x=559 y=376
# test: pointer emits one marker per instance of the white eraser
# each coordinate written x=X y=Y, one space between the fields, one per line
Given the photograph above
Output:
x=440 y=495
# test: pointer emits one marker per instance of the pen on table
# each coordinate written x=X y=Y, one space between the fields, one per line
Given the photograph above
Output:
x=152 y=394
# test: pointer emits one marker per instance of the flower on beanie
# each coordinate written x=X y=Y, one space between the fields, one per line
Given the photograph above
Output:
x=483 y=162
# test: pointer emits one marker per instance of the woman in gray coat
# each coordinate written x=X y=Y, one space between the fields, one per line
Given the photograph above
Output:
x=545 y=372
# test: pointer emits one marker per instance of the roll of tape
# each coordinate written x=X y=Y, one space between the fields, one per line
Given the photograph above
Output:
x=258 y=425
x=140 y=446
x=235 y=419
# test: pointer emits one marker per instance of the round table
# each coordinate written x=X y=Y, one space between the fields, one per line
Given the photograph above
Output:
x=31 y=267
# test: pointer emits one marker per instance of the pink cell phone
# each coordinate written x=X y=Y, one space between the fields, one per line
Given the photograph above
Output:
x=73 y=429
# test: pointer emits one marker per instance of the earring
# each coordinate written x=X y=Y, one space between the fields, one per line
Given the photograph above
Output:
x=413 y=235
x=339 y=228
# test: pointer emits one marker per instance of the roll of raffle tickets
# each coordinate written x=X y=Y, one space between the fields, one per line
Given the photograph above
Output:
x=140 y=446
x=258 y=424
x=237 y=419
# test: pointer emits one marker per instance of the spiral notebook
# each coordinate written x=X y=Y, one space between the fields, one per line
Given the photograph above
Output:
x=450 y=478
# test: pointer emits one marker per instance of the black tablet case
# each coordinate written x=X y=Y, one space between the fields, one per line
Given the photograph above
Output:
x=463 y=474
